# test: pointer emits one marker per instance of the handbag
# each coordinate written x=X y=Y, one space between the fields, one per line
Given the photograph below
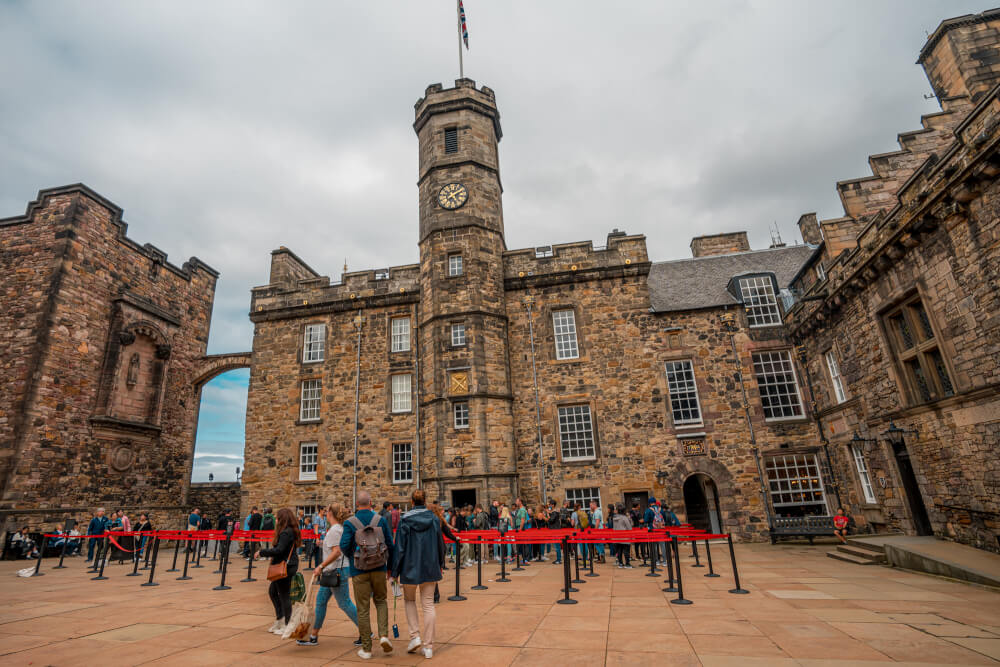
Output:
x=330 y=579
x=277 y=571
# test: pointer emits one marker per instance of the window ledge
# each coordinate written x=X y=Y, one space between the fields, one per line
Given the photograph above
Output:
x=305 y=482
x=314 y=361
x=308 y=422
x=578 y=461
x=786 y=420
x=689 y=436
x=402 y=483
x=393 y=413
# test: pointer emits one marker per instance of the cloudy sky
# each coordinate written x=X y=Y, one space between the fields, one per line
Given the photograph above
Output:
x=226 y=129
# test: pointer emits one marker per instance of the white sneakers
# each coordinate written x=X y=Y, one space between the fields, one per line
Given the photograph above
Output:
x=428 y=653
x=415 y=643
x=277 y=628
x=386 y=644
x=364 y=655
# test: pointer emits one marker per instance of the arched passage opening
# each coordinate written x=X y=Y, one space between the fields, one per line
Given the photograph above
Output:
x=220 y=436
x=701 y=502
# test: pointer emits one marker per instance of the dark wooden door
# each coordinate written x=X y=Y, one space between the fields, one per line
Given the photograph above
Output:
x=921 y=522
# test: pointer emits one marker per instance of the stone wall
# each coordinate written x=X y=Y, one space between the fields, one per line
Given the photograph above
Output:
x=212 y=498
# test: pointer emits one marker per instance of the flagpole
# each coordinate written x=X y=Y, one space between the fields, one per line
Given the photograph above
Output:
x=458 y=18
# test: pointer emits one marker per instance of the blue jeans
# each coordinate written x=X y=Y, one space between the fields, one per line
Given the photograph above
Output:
x=558 y=546
x=341 y=594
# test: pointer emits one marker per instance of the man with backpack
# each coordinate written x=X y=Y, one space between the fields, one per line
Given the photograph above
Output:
x=367 y=540
x=653 y=519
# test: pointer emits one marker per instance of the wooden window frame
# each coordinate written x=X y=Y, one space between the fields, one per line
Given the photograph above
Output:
x=918 y=353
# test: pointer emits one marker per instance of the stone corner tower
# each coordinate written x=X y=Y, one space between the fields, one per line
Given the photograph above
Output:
x=467 y=451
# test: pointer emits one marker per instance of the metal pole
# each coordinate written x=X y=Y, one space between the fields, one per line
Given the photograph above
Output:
x=225 y=562
x=479 y=567
x=680 y=585
x=708 y=554
x=135 y=562
x=357 y=394
x=670 y=568
x=461 y=66
x=187 y=557
x=457 y=597
x=694 y=552
x=576 y=563
x=538 y=410
x=567 y=587
x=177 y=546
x=736 y=575
x=100 y=576
x=503 y=562
x=41 y=552
x=152 y=568
x=62 y=555
x=652 y=556
x=593 y=548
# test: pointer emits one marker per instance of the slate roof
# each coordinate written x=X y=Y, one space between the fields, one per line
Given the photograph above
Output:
x=700 y=282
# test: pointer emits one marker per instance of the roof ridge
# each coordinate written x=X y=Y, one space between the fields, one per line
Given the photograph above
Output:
x=736 y=254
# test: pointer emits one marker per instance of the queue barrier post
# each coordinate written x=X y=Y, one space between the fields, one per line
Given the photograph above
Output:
x=708 y=555
x=567 y=588
x=680 y=584
x=576 y=563
x=694 y=552
x=736 y=575
x=146 y=543
x=517 y=559
x=479 y=567
x=41 y=552
x=197 y=555
x=62 y=554
x=651 y=547
x=177 y=548
x=225 y=562
x=503 y=562
x=671 y=588
x=100 y=576
x=457 y=597
x=593 y=550
x=97 y=557
x=249 y=577
x=187 y=558
x=135 y=563
x=155 y=546
x=215 y=553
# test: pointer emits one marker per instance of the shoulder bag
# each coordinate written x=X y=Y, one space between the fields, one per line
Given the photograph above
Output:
x=277 y=571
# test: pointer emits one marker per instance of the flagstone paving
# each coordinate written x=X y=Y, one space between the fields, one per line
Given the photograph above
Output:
x=803 y=609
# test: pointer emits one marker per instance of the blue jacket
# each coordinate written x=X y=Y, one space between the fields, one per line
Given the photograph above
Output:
x=348 y=546
x=98 y=525
x=419 y=553
x=647 y=518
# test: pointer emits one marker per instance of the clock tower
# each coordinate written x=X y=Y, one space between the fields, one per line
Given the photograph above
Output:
x=467 y=449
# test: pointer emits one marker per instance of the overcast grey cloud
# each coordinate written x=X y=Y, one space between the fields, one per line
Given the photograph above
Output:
x=226 y=129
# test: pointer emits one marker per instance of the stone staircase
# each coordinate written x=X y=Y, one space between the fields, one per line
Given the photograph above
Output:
x=859 y=553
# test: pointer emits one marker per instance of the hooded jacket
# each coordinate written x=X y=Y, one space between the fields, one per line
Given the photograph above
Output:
x=419 y=554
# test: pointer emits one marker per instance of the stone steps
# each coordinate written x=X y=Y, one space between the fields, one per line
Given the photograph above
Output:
x=858 y=553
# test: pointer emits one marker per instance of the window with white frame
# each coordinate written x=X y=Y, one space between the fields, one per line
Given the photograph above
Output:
x=779 y=390
x=402 y=463
x=576 y=433
x=795 y=484
x=457 y=335
x=759 y=301
x=400 y=334
x=401 y=393
x=866 y=481
x=314 y=343
x=308 y=455
x=311 y=396
x=835 y=379
x=310 y=510
x=564 y=328
x=584 y=496
x=684 y=404
x=820 y=271
x=461 y=412
x=454 y=265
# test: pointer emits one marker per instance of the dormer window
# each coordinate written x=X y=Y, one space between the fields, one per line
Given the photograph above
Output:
x=451 y=140
x=759 y=301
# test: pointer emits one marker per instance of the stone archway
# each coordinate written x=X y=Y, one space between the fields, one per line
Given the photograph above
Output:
x=728 y=500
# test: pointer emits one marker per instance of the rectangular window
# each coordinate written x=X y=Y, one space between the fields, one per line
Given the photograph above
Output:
x=683 y=393
x=454 y=265
x=820 y=272
x=400 y=334
x=922 y=367
x=314 y=343
x=461 y=411
x=457 y=335
x=401 y=393
x=779 y=390
x=838 y=384
x=309 y=405
x=576 y=433
x=402 y=463
x=759 y=301
x=584 y=496
x=307 y=461
x=866 y=482
x=796 y=486
x=564 y=327
x=451 y=140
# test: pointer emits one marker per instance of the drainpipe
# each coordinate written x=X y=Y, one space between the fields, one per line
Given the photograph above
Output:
x=416 y=372
x=538 y=411
x=358 y=322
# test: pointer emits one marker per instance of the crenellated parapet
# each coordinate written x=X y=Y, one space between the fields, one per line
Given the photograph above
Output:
x=568 y=262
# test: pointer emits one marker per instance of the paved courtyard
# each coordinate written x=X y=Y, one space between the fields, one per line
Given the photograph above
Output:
x=804 y=609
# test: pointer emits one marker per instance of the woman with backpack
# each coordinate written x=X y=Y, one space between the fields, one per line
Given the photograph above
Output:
x=284 y=547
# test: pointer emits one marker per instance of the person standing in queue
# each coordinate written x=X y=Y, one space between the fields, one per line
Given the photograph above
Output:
x=284 y=546
x=418 y=566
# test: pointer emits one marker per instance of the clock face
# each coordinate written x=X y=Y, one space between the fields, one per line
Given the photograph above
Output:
x=452 y=196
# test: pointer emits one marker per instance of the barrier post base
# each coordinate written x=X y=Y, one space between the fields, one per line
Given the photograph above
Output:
x=221 y=588
x=566 y=600
x=681 y=601
x=152 y=583
x=457 y=598
x=739 y=591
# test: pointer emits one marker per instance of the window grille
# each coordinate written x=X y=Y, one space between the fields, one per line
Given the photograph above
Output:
x=866 y=482
x=461 y=410
x=402 y=463
x=400 y=334
x=308 y=454
x=924 y=373
x=795 y=484
x=457 y=335
x=564 y=327
x=779 y=390
x=683 y=392
x=455 y=265
x=401 y=393
x=584 y=496
x=576 y=433
x=759 y=300
x=311 y=396
x=835 y=379
x=314 y=343
x=451 y=140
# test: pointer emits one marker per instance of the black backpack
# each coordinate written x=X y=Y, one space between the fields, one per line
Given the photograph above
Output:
x=267 y=523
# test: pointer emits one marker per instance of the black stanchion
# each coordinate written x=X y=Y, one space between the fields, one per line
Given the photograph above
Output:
x=155 y=546
x=146 y=539
x=100 y=575
x=576 y=564
x=593 y=550
x=225 y=563
x=135 y=563
x=457 y=597
x=694 y=552
x=567 y=588
x=479 y=567
x=671 y=588
x=249 y=576
x=517 y=559
x=197 y=555
x=215 y=552
x=177 y=547
x=41 y=552
x=97 y=557
x=62 y=554
x=187 y=558
x=503 y=563
x=708 y=555
x=680 y=584
x=736 y=574
x=651 y=547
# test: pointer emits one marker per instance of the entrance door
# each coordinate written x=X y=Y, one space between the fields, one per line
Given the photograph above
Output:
x=463 y=497
x=701 y=502
x=921 y=522
x=641 y=497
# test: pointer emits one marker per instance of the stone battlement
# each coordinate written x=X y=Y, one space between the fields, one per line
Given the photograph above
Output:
x=621 y=250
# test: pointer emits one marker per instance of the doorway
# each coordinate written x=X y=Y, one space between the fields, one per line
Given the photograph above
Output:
x=918 y=513
x=463 y=497
x=701 y=503
x=641 y=497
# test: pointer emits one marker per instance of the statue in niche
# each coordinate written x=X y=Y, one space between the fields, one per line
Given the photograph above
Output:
x=133 y=370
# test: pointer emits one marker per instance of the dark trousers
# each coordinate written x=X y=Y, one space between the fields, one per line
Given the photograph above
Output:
x=280 y=593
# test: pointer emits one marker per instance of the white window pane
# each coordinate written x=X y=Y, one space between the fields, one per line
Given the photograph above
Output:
x=401 y=393
x=314 y=342
x=564 y=328
x=455 y=265
x=835 y=379
x=759 y=301
x=402 y=463
x=779 y=390
x=795 y=484
x=684 y=405
x=576 y=433
x=400 y=334
x=584 y=496
x=311 y=397
x=457 y=335
x=862 y=466
x=308 y=456
x=461 y=413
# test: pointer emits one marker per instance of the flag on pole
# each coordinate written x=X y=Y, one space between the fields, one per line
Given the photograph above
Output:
x=461 y=19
